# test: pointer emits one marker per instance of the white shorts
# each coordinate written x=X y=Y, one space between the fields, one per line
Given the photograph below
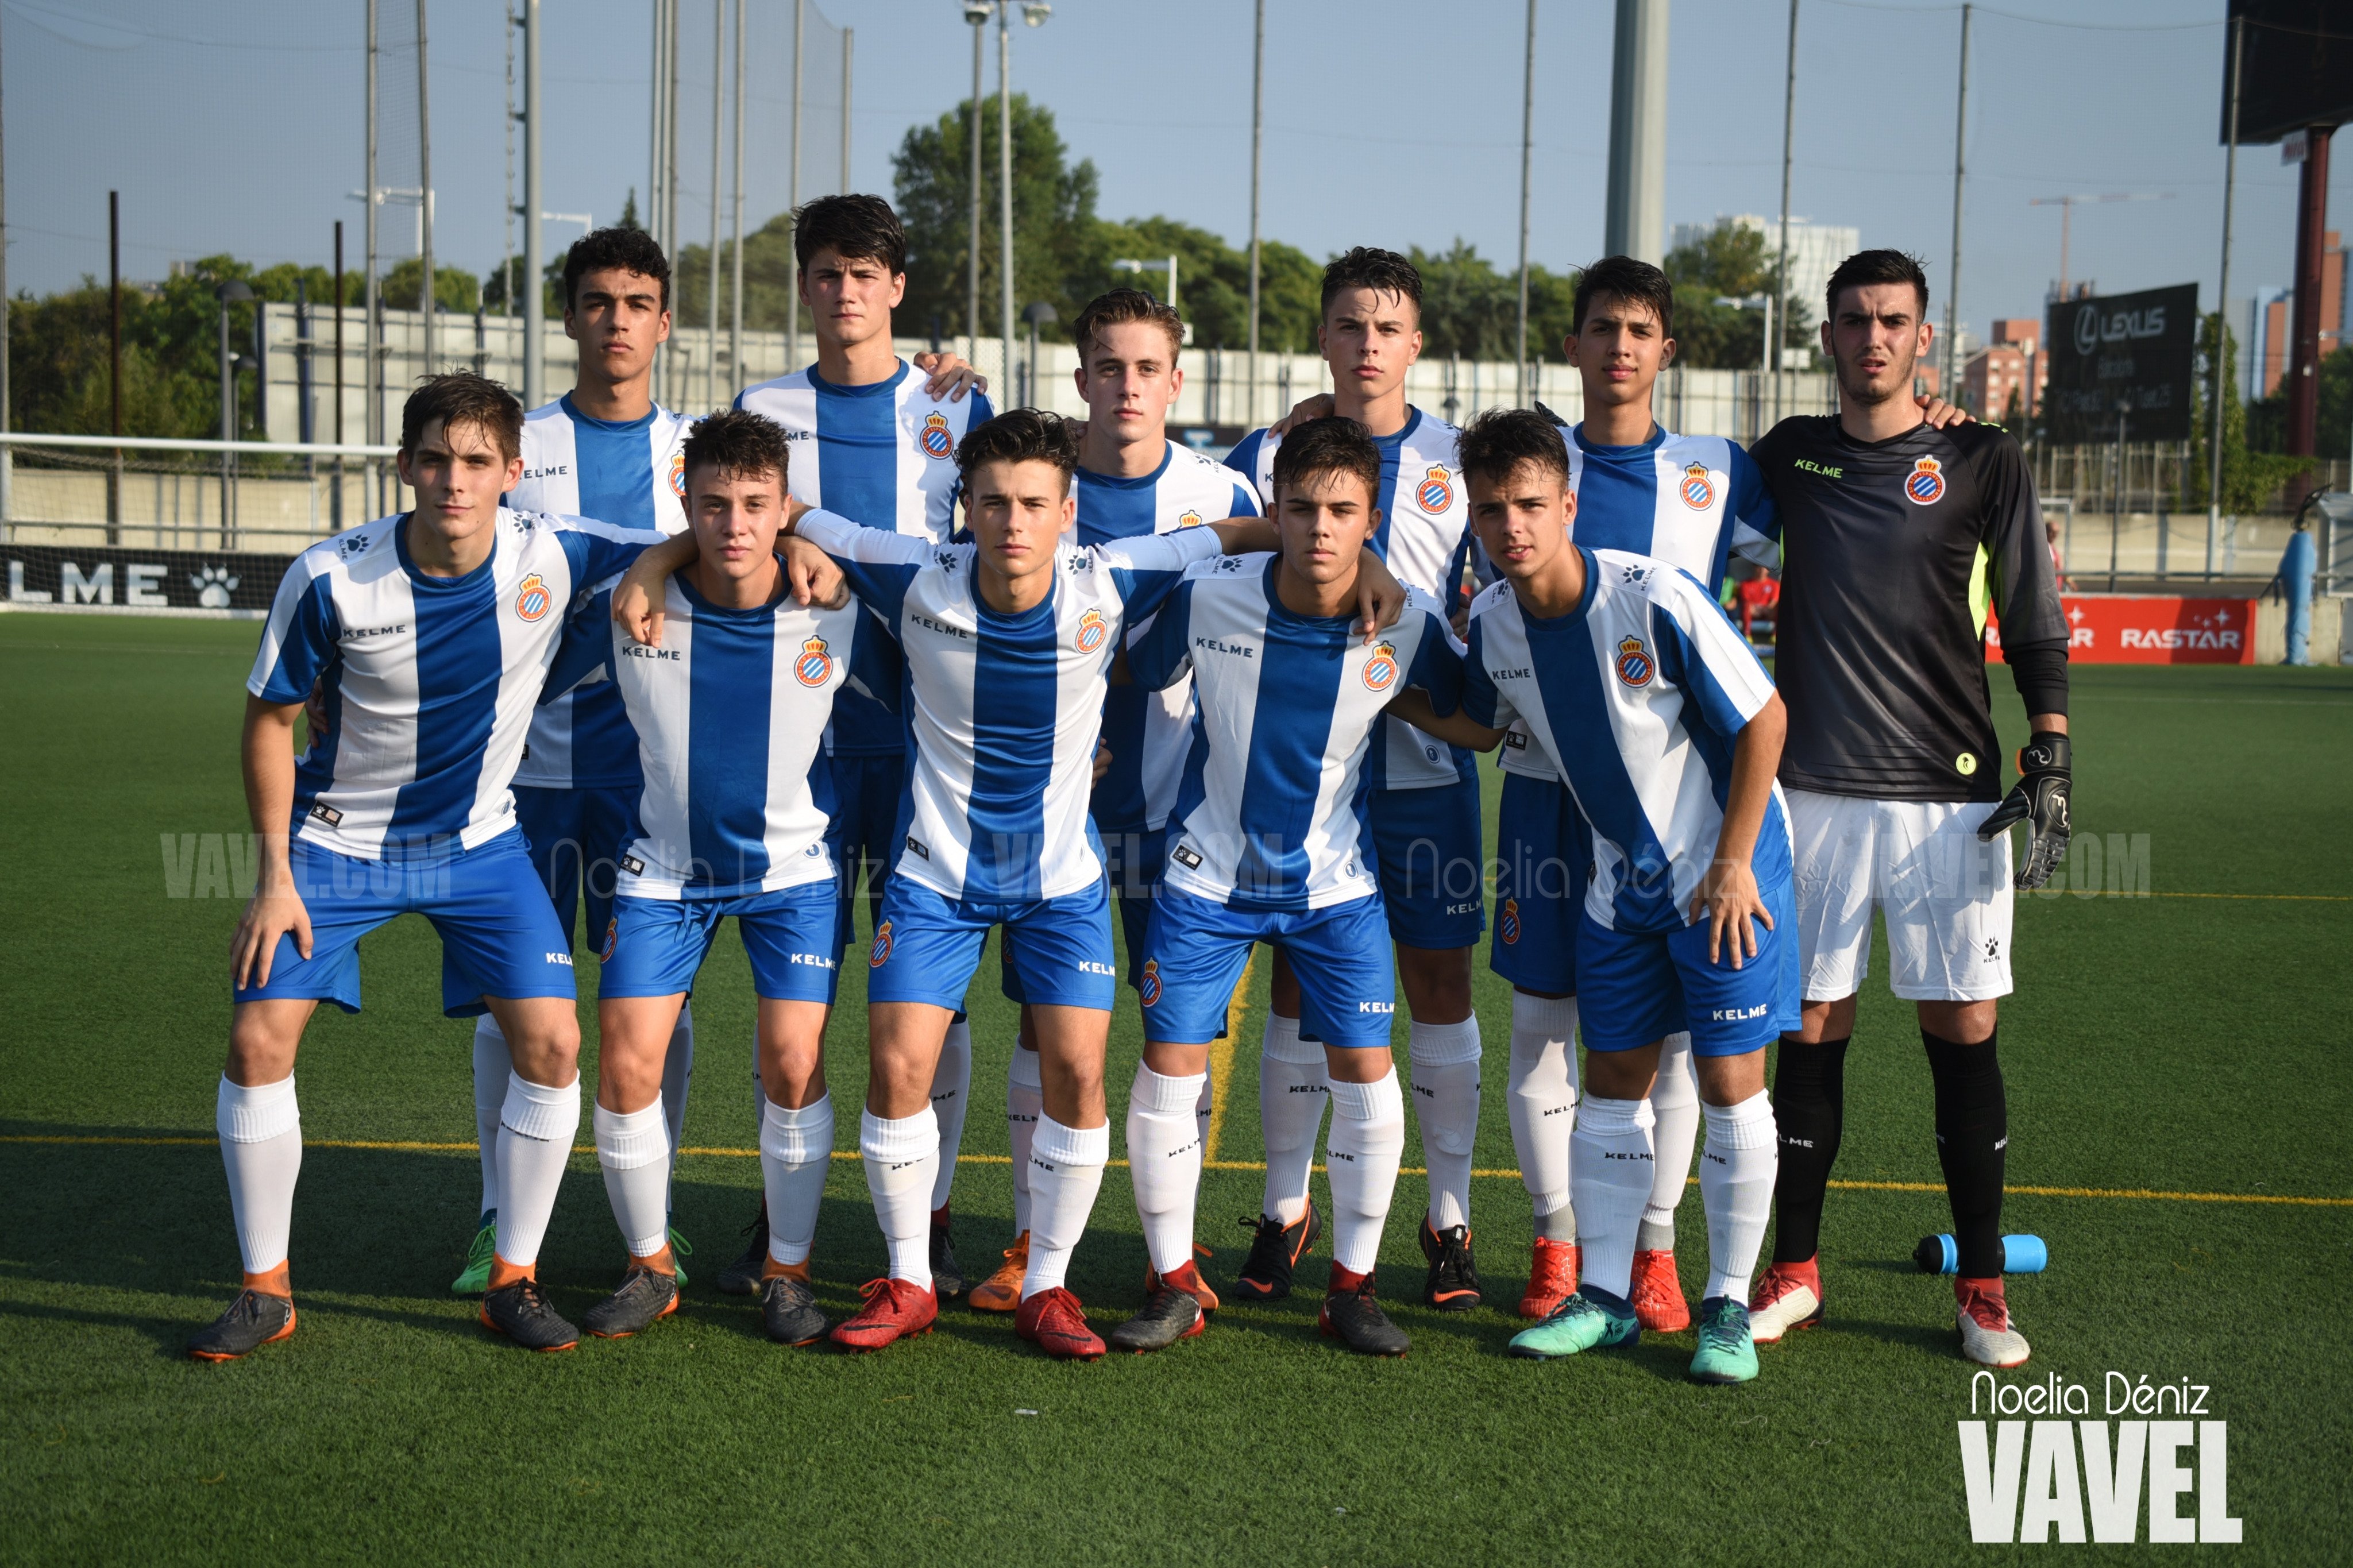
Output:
x=1946 y=896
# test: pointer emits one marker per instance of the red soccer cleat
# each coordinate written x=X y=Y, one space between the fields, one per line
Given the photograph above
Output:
x=1551 y=1277
x=1658 y=1293
x=894 y=1309
x=1055 y=1323
x=1789 y=1296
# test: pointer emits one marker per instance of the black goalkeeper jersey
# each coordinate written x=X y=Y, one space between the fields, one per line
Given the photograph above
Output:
x=1891 y=553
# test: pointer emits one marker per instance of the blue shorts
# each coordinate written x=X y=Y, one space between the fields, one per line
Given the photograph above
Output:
x=1131 y=864
x=1641 y=986
x=655 y=945
x=865 y=821
x=1058 y=951
x=1544 y=858
x=1433 y=873
x=576 y=836
x=1340 y=956
x=499 y=935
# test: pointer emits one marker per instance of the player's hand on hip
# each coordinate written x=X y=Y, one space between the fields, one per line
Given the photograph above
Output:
x=276 y=909
x=1103 y=758
x=1730 y=901
x=948 y=375
x=813 y=577
x=315 y=711
x=2045 y=775
x=1320 y=406
x=1380 y=597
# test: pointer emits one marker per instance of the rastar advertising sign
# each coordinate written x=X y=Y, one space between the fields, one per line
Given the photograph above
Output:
x=2121 y=630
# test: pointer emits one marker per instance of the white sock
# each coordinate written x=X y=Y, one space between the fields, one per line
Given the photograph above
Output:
x=1066 y=1171
x=951 y=1098
x=796 y=1150
x=1365 y=1146
x=1293 y=1090
x=1609 y=1166
x=633 y=1148
x=1735 y=1188
x=1203 y=1108
x=1024 y=1101
x=1675 y=1101
x=902 y=1158
x=1445 y=1062
x=1542 y=1101
x=493 y=1065
x=261 y=1148
x=1164 y=1162
x=678 y=1077
x=535 y=1130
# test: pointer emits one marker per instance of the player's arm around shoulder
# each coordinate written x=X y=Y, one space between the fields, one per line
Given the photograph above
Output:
x=1441 y=685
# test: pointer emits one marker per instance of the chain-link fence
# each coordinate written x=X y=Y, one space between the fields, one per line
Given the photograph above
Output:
x=246 y=496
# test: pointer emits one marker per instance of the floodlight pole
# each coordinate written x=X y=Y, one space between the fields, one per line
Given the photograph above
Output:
x=848 y=48
x=711 y=306
x=7 y=456
x=2223 y=300
x=426 y=298
x=336 y=509
x=735 y=287
x=1004 y=178
x=1788 y=131
x=1527 y=145
x=793 y=293
x=1258 y=141
x=972 y=244
x=372 y=404
x=1950 y=391
x=114 y=358
x=534 y=255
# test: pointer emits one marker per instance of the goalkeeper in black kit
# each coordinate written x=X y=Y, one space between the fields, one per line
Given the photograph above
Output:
x=1897 y=539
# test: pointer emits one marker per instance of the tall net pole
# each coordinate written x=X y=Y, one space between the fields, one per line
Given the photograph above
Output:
x=972 y=286
x=426 y=300
x=1258 y=143
x=1952 y=387
x=711 y=310
x=373 y=302
x=849 y=44
x=736 y=280
x=534 y=259
x=1789 y=122
x=1005 y=185
x=793 y=292
x=1527 y=151
x=2223 y=300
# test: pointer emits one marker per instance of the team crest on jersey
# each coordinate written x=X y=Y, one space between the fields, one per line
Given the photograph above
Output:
x=532 y=598
x=1189 y=520
x=677 y=473
x=1380 y=670
x=814 y=665
x=1925 y=484
x=1507 y=924
x=612 y=940
x=1147 y=985
x=1436 y=492
x=935 y=437
x=1697 y=490
x=879 y=954
x=1633 y=662
x=1092 y=632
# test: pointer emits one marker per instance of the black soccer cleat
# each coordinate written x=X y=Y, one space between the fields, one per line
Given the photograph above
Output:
x=1274 y=1252
x=521 y=1312
x=645 y=1297
x=742 y=1278
x=789 y=1309
x=1357 y=1320
x=1453 y=1282
x=948 y=1275
x=1171 y=1312
x=252 y=1321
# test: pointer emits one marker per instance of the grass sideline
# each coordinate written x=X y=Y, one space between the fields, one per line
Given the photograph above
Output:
x=2168 y=1044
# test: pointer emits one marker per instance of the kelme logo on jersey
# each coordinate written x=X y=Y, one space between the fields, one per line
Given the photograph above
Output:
x=814 y=665
x=1507 y=924
x=1925 y=484
x=1092 y=632
x=1380 y=670
x=1697 y=492
x=532 y=598
x=935 y=437
x=879 y=954
x=1634 y=666
x=612 y=940
x=1436 y=492
x=677 y=473
x=1147 y=985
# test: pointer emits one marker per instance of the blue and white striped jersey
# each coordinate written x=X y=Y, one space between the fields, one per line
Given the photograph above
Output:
x=1425 y=537
x=1003 y=709
x=883 y=455
x=725 y=718
x=1149 y=732
x=429 y=681
x=630 y=474
x=1271 y=814
x=1636 y=696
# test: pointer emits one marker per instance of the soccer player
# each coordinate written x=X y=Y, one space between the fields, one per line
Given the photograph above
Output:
x=722 y=722
x=1268 y=841
x=1132 y=479
x=431 y=632
x=1897 y=539
x=1667 y=730
x=1424 y=811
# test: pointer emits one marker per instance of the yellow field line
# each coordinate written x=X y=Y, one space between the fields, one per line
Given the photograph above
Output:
x=2267 y=898
x=2134 y=1194
x=1221 y=1060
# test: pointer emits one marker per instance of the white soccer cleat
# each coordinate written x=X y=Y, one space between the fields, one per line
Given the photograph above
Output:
x=1789 y=1296
x=1988 y=1337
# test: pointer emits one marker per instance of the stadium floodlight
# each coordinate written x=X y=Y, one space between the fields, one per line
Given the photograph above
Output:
x=977 y=12
x=1035 y=12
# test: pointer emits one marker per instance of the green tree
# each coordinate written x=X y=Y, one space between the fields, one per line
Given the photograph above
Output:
x=2252 y=475
x=455 y=289
x=767 y=281
x=1729 y=262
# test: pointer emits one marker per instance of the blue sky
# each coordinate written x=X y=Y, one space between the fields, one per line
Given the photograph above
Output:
x=236 y=125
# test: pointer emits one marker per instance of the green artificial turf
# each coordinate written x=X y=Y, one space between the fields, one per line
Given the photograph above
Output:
x=2168 y=1042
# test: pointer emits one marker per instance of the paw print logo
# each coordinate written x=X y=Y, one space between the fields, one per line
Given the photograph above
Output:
x=213 y=584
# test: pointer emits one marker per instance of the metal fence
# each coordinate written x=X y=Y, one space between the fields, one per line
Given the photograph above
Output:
x=246 y=496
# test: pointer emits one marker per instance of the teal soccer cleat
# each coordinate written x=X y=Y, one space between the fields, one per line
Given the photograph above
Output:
x=475 y=1278
x=1727 y=1354
x=1581 y=1323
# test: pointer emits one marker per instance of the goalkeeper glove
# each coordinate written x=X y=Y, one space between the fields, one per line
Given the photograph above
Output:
x=2039 y=797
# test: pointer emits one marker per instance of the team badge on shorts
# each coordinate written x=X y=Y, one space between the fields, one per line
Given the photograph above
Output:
x=814 y=665
x=1634 y=666
x=612 y=940
x=1380 y=670
x=677 y=474
x=935 y=437
x=1507 y=924
x=1436 y=492
x=532 y=598
x=1147 y=985
x=1092 y=632
x=1698 y=493
x=879 y=954
x=1925 y=484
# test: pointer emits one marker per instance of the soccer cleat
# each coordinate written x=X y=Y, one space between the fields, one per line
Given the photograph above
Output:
x=1986 y=1336
x=1581 y=1323
x=1551 y=1277
x=1172 y=1311
x=742 y=1278
x=1453 y=1282
x=254 y=1319
x=894 y=1309
x=1197 y=1286
x=1055 y=1323
x=1351 y=1316
x=789 y=1309
x=645 y=1297
x=1658 y=1293
x=474 y=1277
x=521 y=1312
x=948 y=1275
x=677 y=1249
x=1001 y=1291
x=1727 y=1354
x=1275 y=1251
x=1789 y=1296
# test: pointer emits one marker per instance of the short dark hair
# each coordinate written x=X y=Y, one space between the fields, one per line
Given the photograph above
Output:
x=1624 y=278
x=1333 y=446
x=1121 y=307
x=1383 y=271
x=1866 y=268
x=1498 y=441
x=854 y=228
x=739 y=444
x=628 y=248
x=462 y=397
x=1020 y=435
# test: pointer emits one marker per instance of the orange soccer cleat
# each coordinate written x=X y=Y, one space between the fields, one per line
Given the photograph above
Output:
x=1658 y=1293
x=1001 y=1291
x=1551 y=1277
